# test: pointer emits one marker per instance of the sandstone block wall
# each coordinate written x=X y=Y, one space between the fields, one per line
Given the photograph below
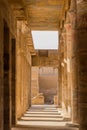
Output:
x=23 y=72
x=48 y=78
x=38 y=100
x=56 y=100
x=34 y=81
x=36 y=97
x=7 y=68
x=15 y=68
x=45 y=58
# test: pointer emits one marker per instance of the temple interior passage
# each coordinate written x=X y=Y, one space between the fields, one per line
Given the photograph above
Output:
x=43 y=89
x=44 y=86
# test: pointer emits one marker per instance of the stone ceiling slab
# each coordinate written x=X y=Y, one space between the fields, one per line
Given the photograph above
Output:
x=46 y=14
x=42 y=14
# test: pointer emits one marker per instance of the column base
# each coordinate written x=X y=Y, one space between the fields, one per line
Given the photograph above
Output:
x=73 y=125
x=83 y=127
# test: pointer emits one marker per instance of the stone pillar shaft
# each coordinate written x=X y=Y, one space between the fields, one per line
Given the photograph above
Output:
x=79 y=64
x=59 y=86
x=82 y=62
x=63 y=76
x=82 y=78
x=74 y=66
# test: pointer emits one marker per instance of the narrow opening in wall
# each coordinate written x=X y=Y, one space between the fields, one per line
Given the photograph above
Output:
x=6 y=67
x=45 y=40
x=44 y=87
x=13 y=80
x=48 y=84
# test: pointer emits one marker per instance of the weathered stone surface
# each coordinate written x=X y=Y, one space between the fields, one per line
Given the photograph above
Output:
x=45 y=15
x=38 y=100
x=17 y=19
x=55 y=100
x=45 y=58
x=6 y=35
x=34 y=81
x=1 y=74
x=23 y=72
x=48 y=81
x=82 y=63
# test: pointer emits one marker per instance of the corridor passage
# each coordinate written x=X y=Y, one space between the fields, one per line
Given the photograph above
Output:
x=35 y=76
x=43 y=117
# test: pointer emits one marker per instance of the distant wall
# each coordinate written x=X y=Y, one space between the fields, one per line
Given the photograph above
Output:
x=34 y=81
x=48 y=77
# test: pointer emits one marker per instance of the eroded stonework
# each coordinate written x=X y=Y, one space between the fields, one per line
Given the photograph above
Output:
x=17 y=55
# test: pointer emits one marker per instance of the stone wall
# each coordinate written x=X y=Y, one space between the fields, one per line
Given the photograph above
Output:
x=44 y=85
x=38 y=100
x=45 y=58
x=7 y=33
x=36 y=97
x=56 y=100
x=15 y=67
x=34 y=81
x=48 y=77
x=23 y=71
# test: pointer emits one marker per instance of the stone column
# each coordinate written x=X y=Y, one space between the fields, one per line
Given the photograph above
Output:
x=67 y=59
x=74 y=66
x=59 y=85
x=63 y=89
x=63 y=78
x=82 y=62
x=59 y=75
x=23 y=83
x=29 y=84
x=66 y=76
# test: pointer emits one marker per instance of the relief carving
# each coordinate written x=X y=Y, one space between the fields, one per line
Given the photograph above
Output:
x=82 y=21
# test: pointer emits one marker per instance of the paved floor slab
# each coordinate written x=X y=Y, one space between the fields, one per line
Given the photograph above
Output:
x=43 y=117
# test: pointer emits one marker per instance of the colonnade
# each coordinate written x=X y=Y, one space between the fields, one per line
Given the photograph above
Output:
x=15 y=65
x=73 y=64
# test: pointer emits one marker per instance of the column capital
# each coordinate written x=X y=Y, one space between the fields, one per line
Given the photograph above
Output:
x=81 y=14
x=82 y=21
x=73 y=6
x=72 y=13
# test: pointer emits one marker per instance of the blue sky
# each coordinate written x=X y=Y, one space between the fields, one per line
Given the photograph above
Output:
x=45 y=39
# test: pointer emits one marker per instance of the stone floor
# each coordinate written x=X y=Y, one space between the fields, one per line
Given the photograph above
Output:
x=43 y=117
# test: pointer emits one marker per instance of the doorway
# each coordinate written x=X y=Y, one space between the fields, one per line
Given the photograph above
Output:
x=6 y=83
